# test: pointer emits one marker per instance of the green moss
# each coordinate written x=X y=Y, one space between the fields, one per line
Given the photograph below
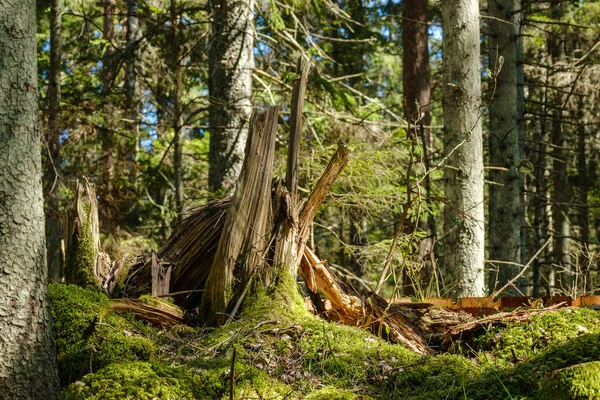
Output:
x=134 y=381
x=578 y=382
x=88 y=338
x=439 y=377
x=333 y=393
x=523 y=340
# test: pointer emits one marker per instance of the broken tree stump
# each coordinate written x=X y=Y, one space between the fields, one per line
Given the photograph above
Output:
x=85 y=264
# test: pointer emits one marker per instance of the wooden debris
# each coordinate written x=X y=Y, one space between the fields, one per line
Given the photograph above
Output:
x=159 y=313
x=245 y=234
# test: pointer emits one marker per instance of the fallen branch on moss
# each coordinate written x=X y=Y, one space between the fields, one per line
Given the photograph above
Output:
x=157 y=313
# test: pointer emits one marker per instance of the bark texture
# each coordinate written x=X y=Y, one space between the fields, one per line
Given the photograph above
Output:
x=177 y=109
x=506 y=201
x=53 y=227
x=561 y=225
x=231 y=62
x=417 y=92
x=463 y=186
x=27 y=355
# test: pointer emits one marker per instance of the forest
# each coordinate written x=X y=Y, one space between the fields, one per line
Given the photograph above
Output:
x=299 y=199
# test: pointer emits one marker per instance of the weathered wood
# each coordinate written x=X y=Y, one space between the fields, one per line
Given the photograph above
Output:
x=190 y=249
x=372 y=313
x=84 y=265
x=298 y=93
x=161 y=276
x=158 y=313
x=244 y=237
x=286 y=201
x=336 y=165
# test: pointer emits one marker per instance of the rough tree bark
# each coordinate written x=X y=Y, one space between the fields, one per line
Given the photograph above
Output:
x=231 y=62
x=417 y=92
x=53 y=228
x=109 y=139
x=177 y=123
x=560 y=183
x=27 y=355
x=506 y=202
x=463 y=176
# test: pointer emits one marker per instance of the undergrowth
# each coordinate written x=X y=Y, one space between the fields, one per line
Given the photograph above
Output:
x=282 y=351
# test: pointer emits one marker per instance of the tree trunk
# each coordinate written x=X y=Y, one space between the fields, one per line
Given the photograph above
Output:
x=506 y=202
x=53 y=228
x=27 y=354
x=584 y=187
x=560 y=189
x=109 y=145
x=417 y=91
x=231 y=62
x=463 y=186
x=177 y=111
x=131 y=73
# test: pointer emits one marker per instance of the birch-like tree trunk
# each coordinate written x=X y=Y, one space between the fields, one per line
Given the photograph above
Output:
x=53 y=228
x=27 y=354
x=506 y=233
x=231 y=62
x=463 y=215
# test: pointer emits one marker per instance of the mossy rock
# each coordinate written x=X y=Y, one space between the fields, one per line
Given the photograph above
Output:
x=577 y=382
x=134 y=381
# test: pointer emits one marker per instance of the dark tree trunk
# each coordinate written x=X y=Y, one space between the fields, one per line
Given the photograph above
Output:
x=53 y=228
x=131 y=72
x=417 y=91
x=560 y=189
x=231 y=62
x=177 y=116
x=108 y=195
x=27 y=354
x=506 y=205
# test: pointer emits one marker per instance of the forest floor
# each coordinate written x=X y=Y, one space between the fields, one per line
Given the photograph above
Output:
x=280 y=351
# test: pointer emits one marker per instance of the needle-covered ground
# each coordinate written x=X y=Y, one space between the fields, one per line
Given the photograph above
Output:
x=283 y=352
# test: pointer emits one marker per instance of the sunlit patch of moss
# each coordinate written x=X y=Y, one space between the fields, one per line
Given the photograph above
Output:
x=334 y=393
x=523 y=340
x=135 y=381
x=88 y=338
x=434 y=377
x=578 y=382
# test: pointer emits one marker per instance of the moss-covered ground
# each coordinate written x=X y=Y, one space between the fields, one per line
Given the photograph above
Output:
x=283 y=352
